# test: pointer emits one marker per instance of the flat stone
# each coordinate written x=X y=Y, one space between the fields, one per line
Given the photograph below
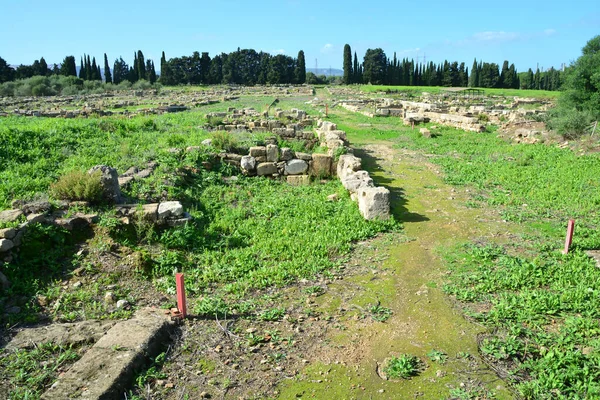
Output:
x=10 y=215
x=8 y=233
x=125 y=180
x=266 y=168
x=149 y=212
x=295 y=167
x=106 y=370
x=4 y=282
x=169 y=209
x=6 y=245
x=206 y=142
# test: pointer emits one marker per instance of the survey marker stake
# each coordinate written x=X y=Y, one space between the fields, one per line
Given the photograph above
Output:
x=181 y=304
x=569 y=239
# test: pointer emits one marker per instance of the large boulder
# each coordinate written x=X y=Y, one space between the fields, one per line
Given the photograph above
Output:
x=109 y=179
x=266 y=168
x=374 y=202
x=296 y=167
x=6 y=245
x=10 y=215
x=347 y=165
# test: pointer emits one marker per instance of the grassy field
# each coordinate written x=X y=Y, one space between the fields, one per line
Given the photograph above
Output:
x=487 y=91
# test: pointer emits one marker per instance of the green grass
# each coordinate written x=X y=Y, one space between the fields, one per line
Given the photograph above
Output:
x=405 y=366
x=542 y=94
x=31 y=371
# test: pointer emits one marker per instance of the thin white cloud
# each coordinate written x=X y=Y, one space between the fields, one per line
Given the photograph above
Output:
x=328 y=48
x=495 y=36
x=278 y=51
x=549 y=32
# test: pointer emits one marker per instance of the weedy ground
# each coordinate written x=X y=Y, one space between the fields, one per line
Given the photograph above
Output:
x=298 y=297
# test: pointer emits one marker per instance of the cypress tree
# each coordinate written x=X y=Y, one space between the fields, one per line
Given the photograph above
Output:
x=81 y=68
x=68 y=67
x=94 y=72
x=348 y=72
x=107 y=74
x=300 y=70
x=134 y=71
x=151 y=72
x=141 y=65
x=88 y=68
x=473 y=80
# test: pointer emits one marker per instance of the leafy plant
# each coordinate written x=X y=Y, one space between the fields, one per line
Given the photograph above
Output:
x=379 y=313
x=438 y=356
x=405 y=366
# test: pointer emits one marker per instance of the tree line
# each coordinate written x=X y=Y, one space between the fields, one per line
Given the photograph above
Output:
x=377 y=69
x=242 y=67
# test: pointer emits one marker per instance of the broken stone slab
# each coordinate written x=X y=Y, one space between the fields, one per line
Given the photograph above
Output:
x=61 y=334
x=321 y=165
x=73 y=223
x=248 y=163
x=425 y=132
x=106 y=369
x=266 y=168
x=36 y=218
x=8 y=233
x=109 y=179
x=347 y=165
x=125 y=180
x=149 y=212
x=298 y=180
x=169 y=209
x=326 y=126
x=179 y=221
x=357 y=180
x=374 y=203
x=295 y=167
x=10 y=215
x=6 y=245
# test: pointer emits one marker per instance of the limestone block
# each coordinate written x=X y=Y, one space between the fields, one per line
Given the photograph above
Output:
x=266 y=168
x=272 y=153
x=10 y=215
x=374 y=202
x=168 y=209
x=109 y=179
x=6 y=245
x=347 y=165
x=321 y=165
x=258 y=151
x=356 y=181
x=287 y=154
x=8 y=233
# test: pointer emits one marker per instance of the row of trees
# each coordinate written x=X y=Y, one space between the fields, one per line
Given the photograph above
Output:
x=243 y=67
x=378 y=69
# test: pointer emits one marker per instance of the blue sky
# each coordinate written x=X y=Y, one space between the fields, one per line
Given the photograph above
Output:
x=524 y=32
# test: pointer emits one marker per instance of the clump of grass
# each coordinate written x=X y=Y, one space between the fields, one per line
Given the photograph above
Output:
x=224 y=140
x=405 y=366
x=78 y=185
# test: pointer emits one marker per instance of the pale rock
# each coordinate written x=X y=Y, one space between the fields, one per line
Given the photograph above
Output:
x=374 y=203
x=266 y=168
x=248 y=163
x=168 y=209
x=296 y=167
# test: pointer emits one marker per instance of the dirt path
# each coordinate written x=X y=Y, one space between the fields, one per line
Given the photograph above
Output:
x=404 y=274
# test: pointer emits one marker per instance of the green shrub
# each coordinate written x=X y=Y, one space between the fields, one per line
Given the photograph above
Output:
x=78 y=185
x=224 y=140
x=571 y=124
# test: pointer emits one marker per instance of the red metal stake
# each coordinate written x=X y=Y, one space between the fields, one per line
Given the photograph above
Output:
x=569 y=240
x=181 y=305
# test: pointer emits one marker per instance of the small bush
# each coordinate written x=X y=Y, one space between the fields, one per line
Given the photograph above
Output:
x=571 y=124
x=78 y=185
x=224 y=140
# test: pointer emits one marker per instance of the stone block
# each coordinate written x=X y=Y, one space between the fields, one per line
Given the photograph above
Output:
x=6 y=245
x=357 y=180
x=272 y=153
x=169 y=209
x=8 y=233
x=258 y=151
x=374 y=202
x=321 y=165
x=347 y=165
x=10 y=215
x=248 y=163
x=266 y=168
x=303 y=156
x=287 y=154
